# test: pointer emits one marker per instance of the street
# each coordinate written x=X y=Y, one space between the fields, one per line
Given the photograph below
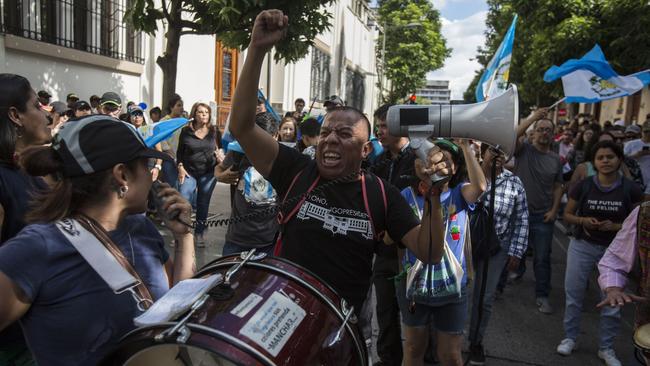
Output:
x=517 y=333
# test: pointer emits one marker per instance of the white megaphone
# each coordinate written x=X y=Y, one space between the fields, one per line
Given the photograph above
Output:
x=493 y=121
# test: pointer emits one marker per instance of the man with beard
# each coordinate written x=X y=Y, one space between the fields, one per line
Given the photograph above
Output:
x=332 y=230
x=540 y=170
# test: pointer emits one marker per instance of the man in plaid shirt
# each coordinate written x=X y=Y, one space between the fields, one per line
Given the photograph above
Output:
x=511 y=224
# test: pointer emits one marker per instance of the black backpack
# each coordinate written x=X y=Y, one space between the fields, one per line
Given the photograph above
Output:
x=485 y=242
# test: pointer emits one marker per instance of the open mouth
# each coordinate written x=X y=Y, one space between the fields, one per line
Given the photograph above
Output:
x=331 y=158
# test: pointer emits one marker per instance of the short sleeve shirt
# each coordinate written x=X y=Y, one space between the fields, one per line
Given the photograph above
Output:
x=538 y=172
x=604 y=204
x=75 y=318
x=633 y=147
x=331 y=233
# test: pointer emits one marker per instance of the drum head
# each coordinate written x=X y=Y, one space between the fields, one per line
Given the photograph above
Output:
x=175 y=355
x=642 y=337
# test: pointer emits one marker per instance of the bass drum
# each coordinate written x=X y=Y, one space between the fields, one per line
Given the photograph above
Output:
x=271 y=312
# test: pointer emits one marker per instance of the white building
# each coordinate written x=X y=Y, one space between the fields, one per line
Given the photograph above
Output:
x=437 y=91
x=84 y=47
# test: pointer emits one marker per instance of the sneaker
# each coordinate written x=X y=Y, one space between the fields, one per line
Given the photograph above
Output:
x=567 y=346
x=513 y=277
x=609 y=357
x=544 y=306
x=476 y=354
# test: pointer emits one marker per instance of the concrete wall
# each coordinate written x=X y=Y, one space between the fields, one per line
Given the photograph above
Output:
x=196 y=69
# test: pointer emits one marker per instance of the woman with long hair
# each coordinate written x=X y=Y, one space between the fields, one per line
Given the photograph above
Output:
x=22 y=124
x=69 y=314
x=288 y=131
x=197 y=158
x=447 y=312
x=597 y=205
x=169 y=146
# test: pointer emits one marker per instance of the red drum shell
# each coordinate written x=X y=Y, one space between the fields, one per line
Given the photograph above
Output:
x=215 y=327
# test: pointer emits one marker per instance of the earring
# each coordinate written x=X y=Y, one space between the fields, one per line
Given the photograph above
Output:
x=122 y=192
x=19 y=132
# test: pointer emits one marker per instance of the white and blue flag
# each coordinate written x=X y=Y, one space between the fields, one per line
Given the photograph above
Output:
x=591 y=79
x=494 y=80
x=161 y=131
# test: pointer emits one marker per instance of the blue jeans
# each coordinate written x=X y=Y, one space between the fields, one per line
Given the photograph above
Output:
x=232 y=248
x=582 y=258
x=203 y=185
x=169 y=173
x=540 y=239
x=496 y=264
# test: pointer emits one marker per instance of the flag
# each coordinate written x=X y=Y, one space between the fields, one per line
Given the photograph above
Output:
x=591 y=79
x=267 y=105
x=162 y=130
x=494 y=80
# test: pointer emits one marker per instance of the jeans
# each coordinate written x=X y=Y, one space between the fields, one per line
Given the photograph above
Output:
x=496 y=264
x=203 y=185
x=540 y=239
x=232 y=248
x=389 y=339
x=582 y=258
x=169 y=173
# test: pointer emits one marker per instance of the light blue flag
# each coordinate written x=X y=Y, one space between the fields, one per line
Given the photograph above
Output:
x=494 y=80
x=162 y=130
x=591 y=79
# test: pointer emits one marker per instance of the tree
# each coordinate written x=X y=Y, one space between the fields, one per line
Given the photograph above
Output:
x=552 y=31
x=231 y=21
x=414 y=45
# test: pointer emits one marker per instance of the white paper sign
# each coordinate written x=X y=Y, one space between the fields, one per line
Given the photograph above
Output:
x=274 y=323
x=245 y=306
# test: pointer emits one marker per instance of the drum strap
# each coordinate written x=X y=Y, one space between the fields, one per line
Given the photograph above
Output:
x=643 y=266
x=105 y=257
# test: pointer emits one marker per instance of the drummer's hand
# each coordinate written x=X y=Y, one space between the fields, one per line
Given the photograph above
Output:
x=617 y=297
x=173 y=201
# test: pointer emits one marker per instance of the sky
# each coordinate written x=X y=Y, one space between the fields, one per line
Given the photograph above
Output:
x=463 y=24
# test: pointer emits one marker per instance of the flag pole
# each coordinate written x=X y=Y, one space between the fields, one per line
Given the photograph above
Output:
x=556 y=103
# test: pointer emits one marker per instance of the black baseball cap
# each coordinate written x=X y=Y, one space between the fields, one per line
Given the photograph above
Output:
x=110 y=98
x=81 y=105
x=44 y=94
x=99 y=142
x=72 y=96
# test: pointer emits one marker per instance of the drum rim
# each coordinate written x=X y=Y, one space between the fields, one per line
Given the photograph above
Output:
x=310 y=287
x=634 y=338
x=284 y=260
x=237 y=343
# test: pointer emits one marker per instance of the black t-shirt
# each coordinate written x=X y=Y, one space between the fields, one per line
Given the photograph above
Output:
x=197 y=155
x=604 y=204
x=254 y=233
x=331 y=234
x=399 y=171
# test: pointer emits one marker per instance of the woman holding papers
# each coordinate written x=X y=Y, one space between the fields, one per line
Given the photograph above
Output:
x=69 y=308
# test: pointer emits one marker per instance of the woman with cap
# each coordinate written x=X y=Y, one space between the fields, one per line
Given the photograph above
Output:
x=197 y=158
x=446 y=311
x=69 y=314
x=22 y=124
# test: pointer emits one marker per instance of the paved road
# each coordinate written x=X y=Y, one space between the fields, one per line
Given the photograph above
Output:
x=518 y=334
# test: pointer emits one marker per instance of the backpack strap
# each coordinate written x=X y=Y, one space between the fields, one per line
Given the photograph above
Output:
x=587 y=183
x=378 y=235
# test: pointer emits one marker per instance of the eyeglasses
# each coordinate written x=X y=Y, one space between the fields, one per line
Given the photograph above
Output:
x=137 y=114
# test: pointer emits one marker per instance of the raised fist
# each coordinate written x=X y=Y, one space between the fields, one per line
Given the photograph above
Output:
x=269 y=28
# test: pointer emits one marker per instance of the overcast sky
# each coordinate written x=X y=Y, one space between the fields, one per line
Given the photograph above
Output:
x=463 y=24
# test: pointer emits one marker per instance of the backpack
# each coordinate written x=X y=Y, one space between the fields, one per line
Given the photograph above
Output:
x=368 y=187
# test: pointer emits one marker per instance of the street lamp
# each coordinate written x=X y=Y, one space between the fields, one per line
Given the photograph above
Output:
x=383 y=30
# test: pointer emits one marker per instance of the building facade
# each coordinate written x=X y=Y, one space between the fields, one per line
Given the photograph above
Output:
x=85 y=47
x=436 y=91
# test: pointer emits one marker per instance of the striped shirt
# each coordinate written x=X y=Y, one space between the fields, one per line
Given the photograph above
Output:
x=510 y=213
x=619 y=257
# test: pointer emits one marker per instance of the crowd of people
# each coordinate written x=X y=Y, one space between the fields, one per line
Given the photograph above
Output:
x=85 y=165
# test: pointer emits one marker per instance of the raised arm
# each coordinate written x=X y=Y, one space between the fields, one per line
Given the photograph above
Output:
x=477 y=183
x=261 y=149
x=524 y=124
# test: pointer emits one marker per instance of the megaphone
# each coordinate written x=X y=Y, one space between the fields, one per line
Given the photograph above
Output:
x=492 y=121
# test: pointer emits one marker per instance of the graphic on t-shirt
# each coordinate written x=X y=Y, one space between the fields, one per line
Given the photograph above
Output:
x=604 y=205
x=337 y=224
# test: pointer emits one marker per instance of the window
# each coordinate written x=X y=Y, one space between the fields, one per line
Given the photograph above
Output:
x=226 y=76
x=95 y=26
x=320 y=74
x=355 y=88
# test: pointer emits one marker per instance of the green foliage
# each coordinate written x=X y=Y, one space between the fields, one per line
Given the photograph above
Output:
x=550 y=32
x=414 y=44
x=232 y=20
